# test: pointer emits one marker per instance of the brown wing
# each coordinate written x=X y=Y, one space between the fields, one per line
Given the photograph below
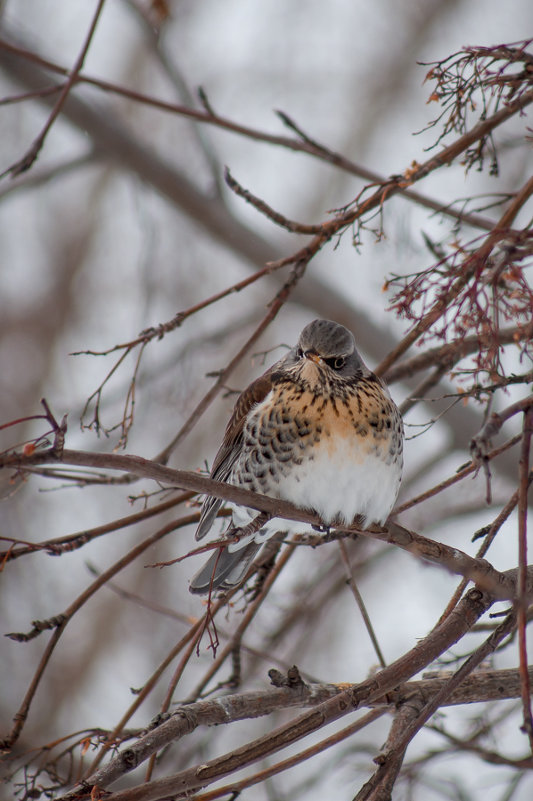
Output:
x=231 y=444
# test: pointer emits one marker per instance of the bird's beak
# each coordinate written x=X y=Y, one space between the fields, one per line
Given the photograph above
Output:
x=310 y=354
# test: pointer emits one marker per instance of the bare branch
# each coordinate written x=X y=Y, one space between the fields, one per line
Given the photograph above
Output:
x=26 y=162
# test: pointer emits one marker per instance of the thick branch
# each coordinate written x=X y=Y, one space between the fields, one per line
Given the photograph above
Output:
x=500 y=585
x=490 y=685
x=437 y=641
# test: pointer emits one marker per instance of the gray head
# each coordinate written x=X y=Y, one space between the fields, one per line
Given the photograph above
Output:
x=331 y=346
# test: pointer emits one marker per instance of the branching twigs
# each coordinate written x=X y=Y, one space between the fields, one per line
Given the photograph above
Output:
x=161 y=330
x=57 y=429
x=59 y=622
x=343 y=220
x=233 y=644
x=281 y=297
x=264 y=208
x=468 y=469
x=188 y=642
x=481 y=441
x=463 y=77
x=174 y=614
x=131 y=156
x=482 y=685
x=488 y=538
x=497 y=290
x=449 y=354
x=70 y=542
x=129 y=403
x=420 y=392
x=396 y=185
x=26 y=162
x=469 y=268
x=325 y=231
x=451 y=558
x=236 y=639
x=144 y=338
x=303 y=143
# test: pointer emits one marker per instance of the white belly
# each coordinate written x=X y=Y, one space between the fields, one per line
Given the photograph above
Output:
x=338 y=484
x=339 y=487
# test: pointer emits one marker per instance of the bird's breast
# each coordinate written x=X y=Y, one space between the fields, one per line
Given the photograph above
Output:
x=339 y=454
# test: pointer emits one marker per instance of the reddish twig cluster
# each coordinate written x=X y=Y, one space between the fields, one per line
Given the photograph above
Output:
x=473 y=84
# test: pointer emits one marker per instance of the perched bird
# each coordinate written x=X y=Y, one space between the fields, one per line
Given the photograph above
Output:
x=318 y=429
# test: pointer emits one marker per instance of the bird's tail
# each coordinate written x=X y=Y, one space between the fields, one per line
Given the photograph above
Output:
x=224 y=569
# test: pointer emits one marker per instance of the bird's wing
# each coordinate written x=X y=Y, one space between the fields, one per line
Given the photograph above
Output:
x=231 y=444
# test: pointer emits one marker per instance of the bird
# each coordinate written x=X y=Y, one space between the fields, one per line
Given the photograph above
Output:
x=318 y=429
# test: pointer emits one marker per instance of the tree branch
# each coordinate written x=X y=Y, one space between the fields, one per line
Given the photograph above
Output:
x=442 y=637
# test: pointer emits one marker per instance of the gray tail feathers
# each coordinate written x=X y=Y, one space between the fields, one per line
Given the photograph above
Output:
x=224 y=569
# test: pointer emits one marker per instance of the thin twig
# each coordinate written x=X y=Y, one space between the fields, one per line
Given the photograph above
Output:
x=360 y=603
x=281 y=297
x=264 y=208
x=26 y=162
x=306 y=145
x=71 y=542
x=65 y=617
x=488 y=539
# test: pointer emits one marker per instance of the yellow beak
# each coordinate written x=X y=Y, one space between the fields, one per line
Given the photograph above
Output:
x=310 y=354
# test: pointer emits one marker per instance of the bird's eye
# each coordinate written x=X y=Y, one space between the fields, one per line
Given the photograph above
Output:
x=337 y=362
x=299 y=353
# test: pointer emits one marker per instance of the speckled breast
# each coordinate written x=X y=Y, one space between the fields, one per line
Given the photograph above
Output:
x=339 y=454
